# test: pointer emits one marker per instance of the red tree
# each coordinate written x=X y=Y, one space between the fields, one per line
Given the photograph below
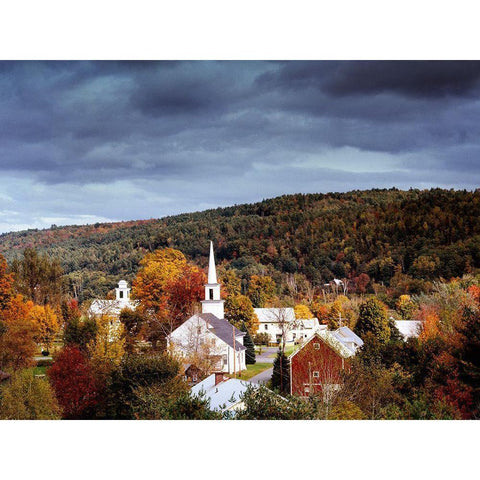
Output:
x=74 y=382
x=184 y=292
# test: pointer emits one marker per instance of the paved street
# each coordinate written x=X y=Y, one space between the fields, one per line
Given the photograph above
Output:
x=263 y=377
x=267 y=356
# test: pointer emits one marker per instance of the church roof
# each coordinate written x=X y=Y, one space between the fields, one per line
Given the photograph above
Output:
x=223 y=330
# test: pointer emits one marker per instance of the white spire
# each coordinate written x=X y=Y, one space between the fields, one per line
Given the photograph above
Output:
x=213 y=302
x=212 y=271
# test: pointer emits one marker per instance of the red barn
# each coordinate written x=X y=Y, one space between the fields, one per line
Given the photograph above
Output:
x=321 y=360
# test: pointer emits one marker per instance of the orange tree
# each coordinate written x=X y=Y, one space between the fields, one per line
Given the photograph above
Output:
x=168 y=289
x=17 y=336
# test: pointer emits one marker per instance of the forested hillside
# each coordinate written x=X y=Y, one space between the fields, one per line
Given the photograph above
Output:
x=413 y=236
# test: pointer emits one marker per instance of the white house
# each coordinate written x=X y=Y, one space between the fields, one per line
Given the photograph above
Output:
x=209 y=334
x=225 y=394
x=296 y=329
x=409 y=328
x=113 y=308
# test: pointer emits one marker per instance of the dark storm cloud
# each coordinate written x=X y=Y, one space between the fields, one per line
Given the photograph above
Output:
x=81 y=141
x=411 y=78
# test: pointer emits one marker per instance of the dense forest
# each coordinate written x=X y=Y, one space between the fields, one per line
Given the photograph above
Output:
x=385 y=236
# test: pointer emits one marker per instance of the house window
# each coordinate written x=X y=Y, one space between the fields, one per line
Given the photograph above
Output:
x=316 y=346
x=266 y=327
x=199 y=330
x=225 y=360
x=307 y=389
x=316 y=375
x=211 y=293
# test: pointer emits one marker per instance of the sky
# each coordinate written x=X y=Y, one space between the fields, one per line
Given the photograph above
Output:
x=85 y=142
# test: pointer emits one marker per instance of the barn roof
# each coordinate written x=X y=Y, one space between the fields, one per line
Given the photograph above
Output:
x=345 y=335
x=332 y=339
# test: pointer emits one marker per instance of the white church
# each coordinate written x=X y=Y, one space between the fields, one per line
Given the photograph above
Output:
x=112 y=308
x=209 y=328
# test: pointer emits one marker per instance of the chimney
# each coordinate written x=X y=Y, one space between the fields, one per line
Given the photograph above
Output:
x=218 y=377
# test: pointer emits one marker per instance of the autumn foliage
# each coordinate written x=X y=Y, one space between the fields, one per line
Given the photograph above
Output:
x=74 y=382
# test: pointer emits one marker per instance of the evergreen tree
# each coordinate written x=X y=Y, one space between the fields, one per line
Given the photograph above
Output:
x=281 y=373
x=250 y=346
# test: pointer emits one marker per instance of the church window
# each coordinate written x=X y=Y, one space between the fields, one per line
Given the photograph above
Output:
x=121 y=294
x=266 y=327
x=211 y=293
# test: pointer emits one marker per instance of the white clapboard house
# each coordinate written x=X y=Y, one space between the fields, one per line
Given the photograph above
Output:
x=296 y=329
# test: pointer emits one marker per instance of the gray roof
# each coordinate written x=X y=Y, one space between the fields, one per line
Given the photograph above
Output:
x=223 y=330
x=226 y=394
x=344 y=334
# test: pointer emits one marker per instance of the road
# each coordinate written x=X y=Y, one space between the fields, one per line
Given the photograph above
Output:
x=262 y=377
x=267 y=356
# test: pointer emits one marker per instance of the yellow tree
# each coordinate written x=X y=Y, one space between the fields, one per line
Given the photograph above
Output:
x=157 y=269
x=26 y=397
x=302 y=312
x=46 y=324
x=108 y=348
x=17 y=343
x=261 y=290
x=405 y=306
x=239 y=312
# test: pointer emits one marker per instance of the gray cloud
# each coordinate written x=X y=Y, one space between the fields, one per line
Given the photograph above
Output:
x=122 y=140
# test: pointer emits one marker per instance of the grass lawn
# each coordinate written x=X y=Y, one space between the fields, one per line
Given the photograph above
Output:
x=253 y=370
x=40 y=370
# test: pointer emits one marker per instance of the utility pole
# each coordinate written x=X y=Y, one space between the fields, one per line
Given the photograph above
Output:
x=234 y=353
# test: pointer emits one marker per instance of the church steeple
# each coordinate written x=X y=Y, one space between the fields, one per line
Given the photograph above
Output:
x=212 y=303
x=212 y=270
